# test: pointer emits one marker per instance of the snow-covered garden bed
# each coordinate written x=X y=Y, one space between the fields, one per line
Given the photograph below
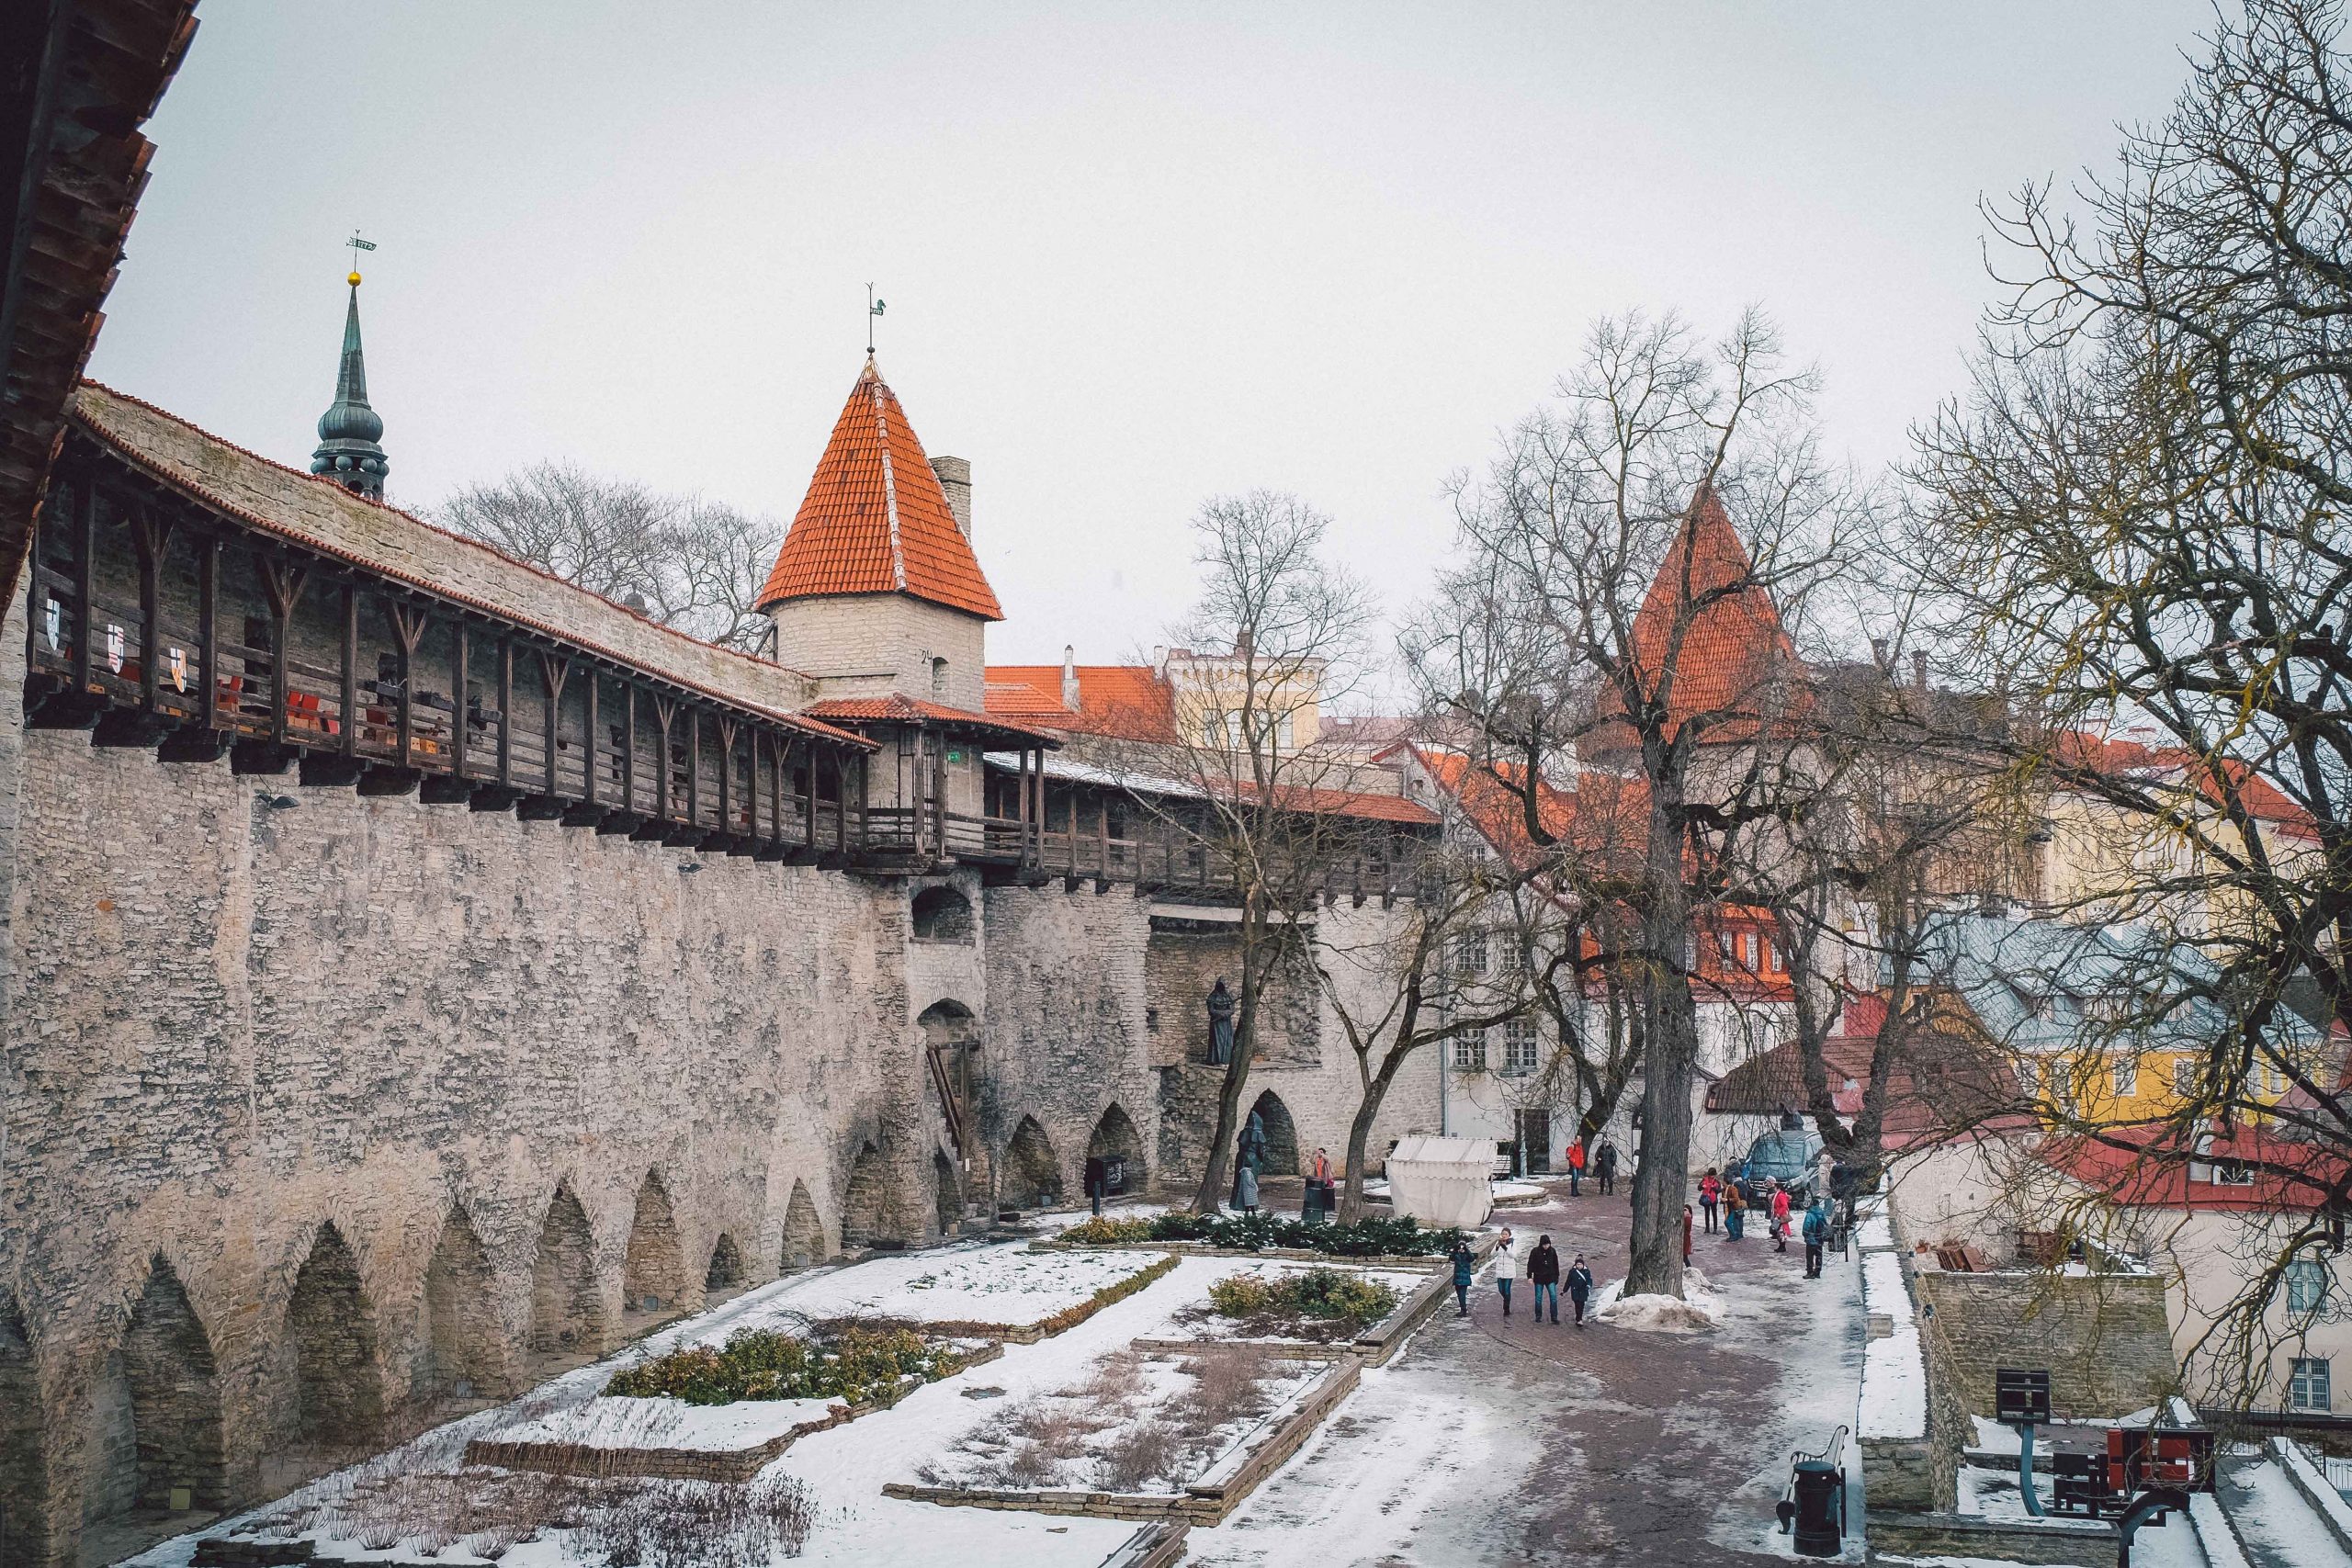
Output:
x=1007 y=1292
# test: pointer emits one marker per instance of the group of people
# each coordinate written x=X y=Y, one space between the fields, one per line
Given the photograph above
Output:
x=1734 y=1197
x=1543 y=1272
x=1602 y=1162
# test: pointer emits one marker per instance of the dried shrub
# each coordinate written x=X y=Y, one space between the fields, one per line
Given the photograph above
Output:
x=1104 y=1230
x=1347 y=1303
x=856 y=1364
x=1143 y=1452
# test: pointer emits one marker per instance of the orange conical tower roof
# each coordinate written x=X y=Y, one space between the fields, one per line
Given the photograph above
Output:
x=875 y=520
x=1736 y=661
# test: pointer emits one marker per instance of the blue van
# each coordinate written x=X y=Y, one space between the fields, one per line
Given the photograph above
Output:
x=1791 y=1156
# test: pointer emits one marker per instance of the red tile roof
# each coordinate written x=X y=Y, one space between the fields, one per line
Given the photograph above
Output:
x=875 y=520
x=897 y=708
x=2152 y=1171
x=1734 y=649
x=2082 y=751
x=1605 y=814
x=1131 y=702
x=1359 y=804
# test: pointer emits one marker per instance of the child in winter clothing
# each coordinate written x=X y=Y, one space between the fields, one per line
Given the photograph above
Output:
x=1464 y=1261
x=1579 y=1288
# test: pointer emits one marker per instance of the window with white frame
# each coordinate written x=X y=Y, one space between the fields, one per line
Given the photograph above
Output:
x=1748 y=951
x=1470 y=1052
x=2127 y=1077
x=2306 y=1284
x=2184 y=1075
x=1470 y=953
x=2028 y=1079
x=2308 y=1384
x=1509 y=956
x=1728 y=943
x=1522 y=1047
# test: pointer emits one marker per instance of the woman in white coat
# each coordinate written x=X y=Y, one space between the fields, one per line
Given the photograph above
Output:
x=1506 y=1269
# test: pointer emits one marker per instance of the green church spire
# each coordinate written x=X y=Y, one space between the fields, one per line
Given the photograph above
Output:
x=350 y=431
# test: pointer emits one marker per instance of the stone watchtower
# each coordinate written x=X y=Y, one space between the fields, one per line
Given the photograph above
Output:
x=350 y=433
x=876 y=591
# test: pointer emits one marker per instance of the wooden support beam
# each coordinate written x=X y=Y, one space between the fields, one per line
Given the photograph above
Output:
x=85 y=558
x=350 y=736
x=808 y=802
x=281 y=585
x=595 y=735
x=726 y=723
x=408 y=625
x=554 y=670
x=461 y=705
x=505 y=713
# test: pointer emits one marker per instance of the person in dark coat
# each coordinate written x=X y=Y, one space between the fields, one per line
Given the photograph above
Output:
x=1817 y=1236
x=1579 y=1288
x=1097 y=1177
x=1465 y=1262
x=1605 y=1165
x=1544 y=1273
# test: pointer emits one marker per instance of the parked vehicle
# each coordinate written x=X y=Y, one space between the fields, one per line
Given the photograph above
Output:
x=1791 y=1156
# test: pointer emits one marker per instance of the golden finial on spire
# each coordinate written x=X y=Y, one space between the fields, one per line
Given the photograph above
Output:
x=356 y=244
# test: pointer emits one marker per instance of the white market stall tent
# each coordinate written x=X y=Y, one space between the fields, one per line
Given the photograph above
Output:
x=1442 y=1181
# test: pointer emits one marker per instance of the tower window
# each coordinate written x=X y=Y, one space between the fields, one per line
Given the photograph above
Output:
x=939 y=677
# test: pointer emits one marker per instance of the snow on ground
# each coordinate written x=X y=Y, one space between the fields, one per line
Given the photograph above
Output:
x=2274 y=1517
x=1699 y=1310
x=1999 y=1438
x=667 y=1424
x=1894 y=1369
x=1000 y=1283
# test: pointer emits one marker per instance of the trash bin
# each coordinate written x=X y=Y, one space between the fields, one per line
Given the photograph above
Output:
x=1315 y=1208
x=1820 y=1529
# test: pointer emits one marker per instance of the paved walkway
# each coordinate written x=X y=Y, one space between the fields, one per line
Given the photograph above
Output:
x=1495 y=1441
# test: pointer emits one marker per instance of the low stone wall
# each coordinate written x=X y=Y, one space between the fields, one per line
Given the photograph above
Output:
x=686 y=1464
x=2076 y=1542
x=2103 y=1337
x=1205 y=1502
x=1417 y=1262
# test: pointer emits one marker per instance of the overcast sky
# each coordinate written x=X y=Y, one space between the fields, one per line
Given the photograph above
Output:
x=1133 y=256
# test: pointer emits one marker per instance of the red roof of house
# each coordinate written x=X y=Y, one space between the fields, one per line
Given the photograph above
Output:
x=2155 y=1172
x=1733 y=647
x=898 y=708
x=875 y=520
x=1131 y=702
x=2082 y=751
x=1604 y=812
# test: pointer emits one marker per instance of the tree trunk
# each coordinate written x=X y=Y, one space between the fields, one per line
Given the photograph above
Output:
x=1661 y=1180
x=1360 y=1133
x=1211 y=1194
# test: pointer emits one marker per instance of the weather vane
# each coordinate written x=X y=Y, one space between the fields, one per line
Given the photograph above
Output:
x=873 y=308
x=355 y=244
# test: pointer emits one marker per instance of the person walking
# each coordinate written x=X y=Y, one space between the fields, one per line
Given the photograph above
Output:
x=1094 y=1181
x=1685 y=1235
x=1711 y=1197
x=1464 y=1261
x=1605 y=1165
x=1816 y=1236
x=1780 y=1218
x=1575 y=1169
x=1544 y=1273
x=1506 y=1269
x=1579 y=1288
x=1734 y=1211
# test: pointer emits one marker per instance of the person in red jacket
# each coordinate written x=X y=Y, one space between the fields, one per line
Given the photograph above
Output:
x=1780 y=1218
x=1711 y=1194
x=1575 y=1169
x=1685 y=1235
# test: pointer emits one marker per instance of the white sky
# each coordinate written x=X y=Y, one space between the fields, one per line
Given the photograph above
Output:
x=1133 y=256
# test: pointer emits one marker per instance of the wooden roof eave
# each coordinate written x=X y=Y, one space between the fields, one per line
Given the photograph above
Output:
x=453 y=603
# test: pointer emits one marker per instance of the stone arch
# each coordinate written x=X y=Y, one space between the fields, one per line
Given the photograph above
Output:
x=338 y=1389
x=653 y=1272
x=804 y=1232
x=567 y=1303
x=1114 y=1138
x=1032 y=1170
x=465 y=1346
x=24 y=1473
x=872 y=1213
x=726 y=1269
x=946 y=1194
x=942 y=914
x=1282 y=1134
x=164 y=1434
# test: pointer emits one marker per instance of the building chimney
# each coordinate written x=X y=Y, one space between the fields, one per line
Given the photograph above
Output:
x=1919 y=668
x=1160 y=659
x=1878 y=652
x=1070 y=677
x=956 y=478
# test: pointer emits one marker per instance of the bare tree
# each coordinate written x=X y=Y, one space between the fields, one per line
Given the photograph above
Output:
x=1395 y=997
x=1251 y=803
x=687 y=563
x=1672 y=489
x=2141 y=515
